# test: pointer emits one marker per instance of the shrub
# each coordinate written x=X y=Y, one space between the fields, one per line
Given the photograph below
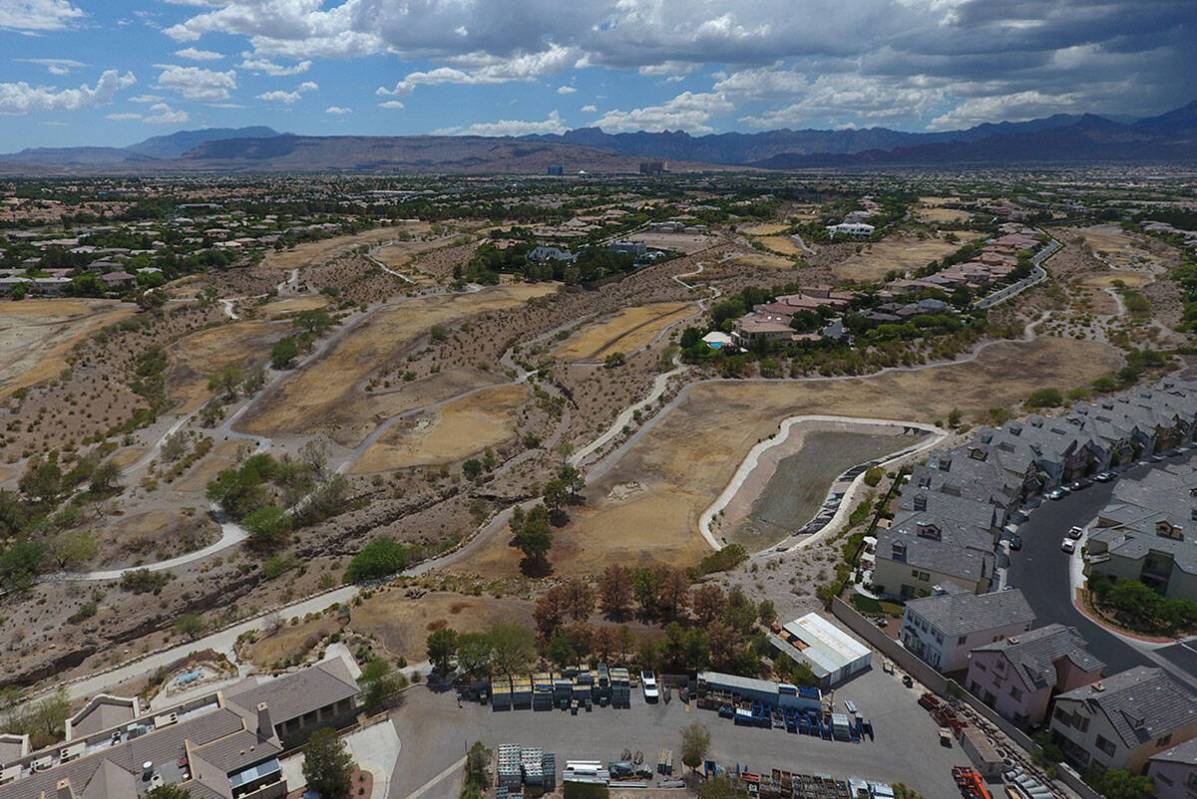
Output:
x=382 y=557
x=144 y=581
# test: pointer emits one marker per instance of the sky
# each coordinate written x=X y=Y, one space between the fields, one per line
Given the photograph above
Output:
x=113 y=72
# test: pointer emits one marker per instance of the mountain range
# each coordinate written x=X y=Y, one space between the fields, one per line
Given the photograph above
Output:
x=1058 y=139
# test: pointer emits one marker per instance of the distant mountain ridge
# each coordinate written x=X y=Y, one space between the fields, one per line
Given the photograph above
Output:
x=1062 y=138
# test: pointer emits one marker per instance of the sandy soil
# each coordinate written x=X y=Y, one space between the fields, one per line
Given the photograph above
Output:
x=627 y=331
x=647 y=507
x=875 y=260
x=402 y=625
x=36 y=336
x=457 y=430
x=324 y=393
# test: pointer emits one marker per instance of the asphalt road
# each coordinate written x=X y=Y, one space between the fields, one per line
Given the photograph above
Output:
x=1041 y=570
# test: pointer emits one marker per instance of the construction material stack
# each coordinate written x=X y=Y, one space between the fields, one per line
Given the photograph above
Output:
x=621 y=688
x=509 y=772
x=548 y=766
x=542 y=691
x=500 y=693
x=521 y=692
x=532 y=766
x=602 y=685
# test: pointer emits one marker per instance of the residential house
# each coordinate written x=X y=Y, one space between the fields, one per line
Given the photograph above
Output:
x=1148 y=531
x=856 y=230
x=922 y=551
x=1124 y=720
x=1174 y=771
x=324 y=695
x=943 y=629
x=1018 y=675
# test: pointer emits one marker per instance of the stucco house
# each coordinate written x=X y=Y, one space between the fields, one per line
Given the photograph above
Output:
x=944 y=629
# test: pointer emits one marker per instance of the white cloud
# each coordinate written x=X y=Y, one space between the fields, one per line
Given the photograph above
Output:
x=21 y=98
x=482 y=69
x=338 y=110
x=1017 y=107
x=831 y=96
x=193 y=54
x=38 y=15
x=566 y=90
x=589 y=109
x=392 y=104
x=688 y=111
x=159 y=114
x=268 y=67
x=287 y=98
x=55 y=66
x=147 y=98
x=196 y=83
x=509 y=127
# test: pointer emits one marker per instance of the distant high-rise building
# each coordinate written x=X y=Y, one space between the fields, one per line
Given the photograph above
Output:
x=556 y=169
x=652 y=167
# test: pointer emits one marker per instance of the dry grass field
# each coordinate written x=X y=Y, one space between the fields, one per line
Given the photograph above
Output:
x=402 y=625
x=783 y=245
x=682 y=242
x=459 y=429
x=875 y=260
x=328 y=394
x=1117 y=249
x=223 y=456
x=291 y=640
x=765 y=230
x=317 y=252
x=760 y=259
x=942 y=215
x=646 y=508
x=197 y=356
x=627 y=331
x=36 y=336
x=280 y=309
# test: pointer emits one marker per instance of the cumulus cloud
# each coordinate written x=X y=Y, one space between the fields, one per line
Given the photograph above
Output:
x=941 y=56
x=566 y=90
x=688 y=111
x=589 y=109
x=477 y=68
x=392 y=104
x=1017 y=107
x=338 y=110
x=196 y=83
x=287 y=98
x=159 y=114
x=268 y=67
x=509 y=127
x=193 y=54
x=21 y=98
x=38 y=15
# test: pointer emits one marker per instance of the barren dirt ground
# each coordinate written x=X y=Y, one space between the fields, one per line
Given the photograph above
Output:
x=197 y=356
x=37 y=335
x=875 y=260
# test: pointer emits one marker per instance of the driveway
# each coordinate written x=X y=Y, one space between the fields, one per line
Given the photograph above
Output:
x=1041 y=570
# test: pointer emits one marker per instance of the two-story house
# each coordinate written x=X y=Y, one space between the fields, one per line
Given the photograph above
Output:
x=943 y=629
x=1018 y=676
x=1123 y=720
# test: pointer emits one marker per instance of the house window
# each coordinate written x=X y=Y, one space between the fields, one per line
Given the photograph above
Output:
x=1063 y=717
x=1162 y=742
x=924 y=576
x=980 y=666
x=1105 y=746
x=1015 y=693
x=1080 y=722
x=914 y=573
x=962 y=640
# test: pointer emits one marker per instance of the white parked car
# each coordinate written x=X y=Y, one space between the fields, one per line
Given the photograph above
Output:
x=1075 y=532
x=1068 y=545
x=648 y=684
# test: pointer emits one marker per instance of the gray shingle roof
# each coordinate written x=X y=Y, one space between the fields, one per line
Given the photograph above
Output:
x=1142 y=704
x=961 y=614
x=1035 y=653
x=1185 y=753
x=293 y=695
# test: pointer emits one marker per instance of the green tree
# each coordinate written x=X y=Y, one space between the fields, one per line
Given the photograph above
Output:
x=474 y=655
x=381 y=557
x=103 y=478
x=168 y=791
x=190 y=625
x=513 y=647
x=534 y=535
x=283 y=353
x=268 y=527
x=327 y=765
x=19 y=564
x=1117 y=783
x=472 y=469
x=72 y=548
x=442 y=646
x=477 y=774
x=696 y=742
x=226 y=382
x=1045 y=398
x=42 y=481
x=381 y=685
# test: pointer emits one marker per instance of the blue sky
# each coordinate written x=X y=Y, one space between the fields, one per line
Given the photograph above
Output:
x=114 y=72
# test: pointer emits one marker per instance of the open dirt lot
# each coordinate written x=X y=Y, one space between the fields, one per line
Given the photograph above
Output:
x=325 y=394
x=1115 y=247
x=781 y=244
x=760 y=259
x=646 y=508
x=197 y=356
x=627 y=331
x=942 y=215
x=402 y=625
x=457 y=430
x=291 y=640
x=875 y=260
x=765 y=230
x=36 y=336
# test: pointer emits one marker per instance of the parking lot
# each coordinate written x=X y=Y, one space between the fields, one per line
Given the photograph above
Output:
x=435 y=733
